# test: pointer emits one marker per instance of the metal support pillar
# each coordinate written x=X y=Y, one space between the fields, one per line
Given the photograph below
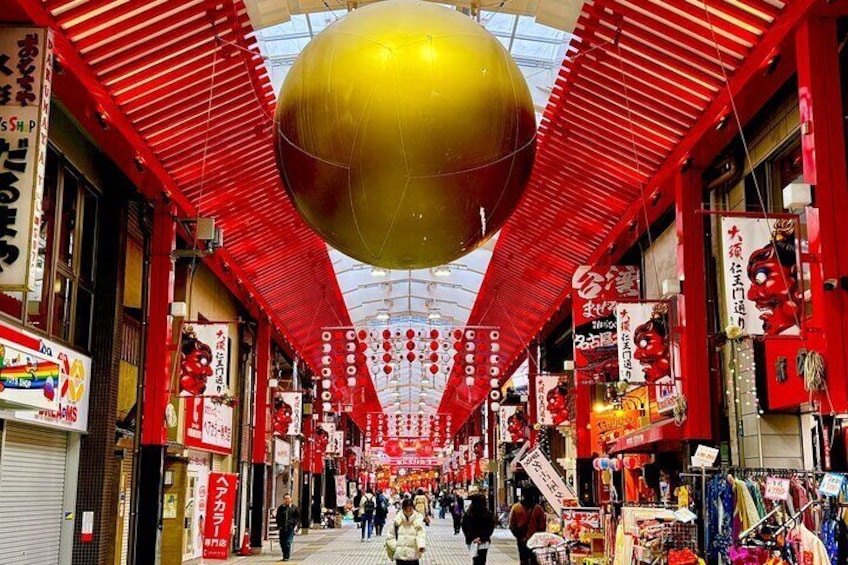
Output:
x=260 y=435
x=157 y=377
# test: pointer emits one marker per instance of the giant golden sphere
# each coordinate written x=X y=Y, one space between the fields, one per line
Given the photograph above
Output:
x=405 y=134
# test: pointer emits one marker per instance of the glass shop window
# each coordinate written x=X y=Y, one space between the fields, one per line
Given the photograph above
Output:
x=61 y=305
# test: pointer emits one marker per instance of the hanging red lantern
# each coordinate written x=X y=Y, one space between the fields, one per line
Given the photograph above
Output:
x=387 y=369
x=434 y=369
x=411 y=356
x=410 y=333
x=410 y=345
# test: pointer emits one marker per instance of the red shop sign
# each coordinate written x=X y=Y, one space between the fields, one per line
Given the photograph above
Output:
x=220 y=507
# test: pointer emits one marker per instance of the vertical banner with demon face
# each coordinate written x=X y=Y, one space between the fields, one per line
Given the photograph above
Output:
x=515 y=425
x=204 y=359
x=644 y=350
x=286 y=415
x=323 y=438
x=762 y=291
x=476 y=448
x=552 y=400
x=596 y=292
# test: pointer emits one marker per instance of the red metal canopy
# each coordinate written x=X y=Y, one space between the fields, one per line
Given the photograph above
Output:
x=149 y=68
x=643 y=84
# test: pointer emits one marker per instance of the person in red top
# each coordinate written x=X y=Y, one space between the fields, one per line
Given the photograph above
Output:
x=525 y=519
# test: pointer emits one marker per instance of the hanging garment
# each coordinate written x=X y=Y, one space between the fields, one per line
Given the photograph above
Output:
x=720 y=513
x=812 y=550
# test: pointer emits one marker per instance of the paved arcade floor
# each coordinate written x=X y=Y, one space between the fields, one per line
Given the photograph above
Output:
x=343 y=547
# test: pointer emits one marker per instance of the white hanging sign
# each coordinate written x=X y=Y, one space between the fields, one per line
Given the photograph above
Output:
x=26 y=70
x=546 y=479
x=762 y=294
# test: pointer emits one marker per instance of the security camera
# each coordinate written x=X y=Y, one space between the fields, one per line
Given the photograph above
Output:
x=831 y=284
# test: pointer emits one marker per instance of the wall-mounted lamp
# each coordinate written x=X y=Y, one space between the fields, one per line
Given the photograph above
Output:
x=797 y=196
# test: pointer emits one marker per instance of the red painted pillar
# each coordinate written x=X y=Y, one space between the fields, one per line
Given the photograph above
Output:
x=157 y=377
x=532 y=371
x=823 y=145
x=692 y=305
x=260 y=432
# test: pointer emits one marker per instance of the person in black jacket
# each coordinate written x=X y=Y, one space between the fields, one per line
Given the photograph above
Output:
x=478 y=523
x=288 y=519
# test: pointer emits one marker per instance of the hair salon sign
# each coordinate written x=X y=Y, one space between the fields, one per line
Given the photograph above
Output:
x=26 y=68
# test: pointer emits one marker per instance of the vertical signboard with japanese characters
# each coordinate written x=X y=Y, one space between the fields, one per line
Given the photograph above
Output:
x=26 y=69
x=596 y=290
x=218 y=523
x=514 y=424
x=552 y=400
x=644 y=349
x=287 y=413
x=762 y=290
x=205 y=381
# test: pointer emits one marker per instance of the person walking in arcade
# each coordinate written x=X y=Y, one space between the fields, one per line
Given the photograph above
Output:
x=406 y=541
x=288 y=518
x=366 y=513
x=525 y=519
x=478 y=525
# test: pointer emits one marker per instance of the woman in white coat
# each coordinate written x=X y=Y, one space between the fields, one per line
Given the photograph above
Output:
x=406 y=541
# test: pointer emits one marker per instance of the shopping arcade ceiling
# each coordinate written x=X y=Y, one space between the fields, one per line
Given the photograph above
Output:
x=185 y=83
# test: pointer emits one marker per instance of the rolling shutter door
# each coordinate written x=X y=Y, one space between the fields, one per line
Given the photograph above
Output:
x=32 y=475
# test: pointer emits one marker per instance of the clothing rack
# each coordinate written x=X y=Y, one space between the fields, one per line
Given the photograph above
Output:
x=744 y=535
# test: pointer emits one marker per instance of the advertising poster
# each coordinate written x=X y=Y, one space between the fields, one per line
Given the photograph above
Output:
x=552 y=400
x=287 y=414
x=218 y=524
x=596 y=290
x=26 y=75
x=515 y=426
x=762 y=291
x=580 y=523
x=209 y=426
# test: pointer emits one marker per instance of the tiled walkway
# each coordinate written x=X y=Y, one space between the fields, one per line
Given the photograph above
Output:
x=343 y=547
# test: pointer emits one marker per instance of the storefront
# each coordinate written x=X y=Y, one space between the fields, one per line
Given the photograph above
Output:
x=40 y=446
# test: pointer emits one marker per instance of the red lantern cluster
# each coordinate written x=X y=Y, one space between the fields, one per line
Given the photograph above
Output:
x=342 y=355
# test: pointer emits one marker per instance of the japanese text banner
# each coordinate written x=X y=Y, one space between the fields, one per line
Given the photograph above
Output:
x=546 y=479
x=220 y=508
x=762 y=292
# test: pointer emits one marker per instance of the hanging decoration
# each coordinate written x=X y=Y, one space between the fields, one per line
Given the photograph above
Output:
x=552 y=400
x=643 y=334
x=286 y=413
x=420 y=353
x=515 y=424
x=762 y=293
x=381 y=428
x=412 y=177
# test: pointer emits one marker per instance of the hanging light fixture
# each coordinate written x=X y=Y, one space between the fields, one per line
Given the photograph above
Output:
x=383 y=314
x=442 y=271
x=434 y=314
x=379 y=272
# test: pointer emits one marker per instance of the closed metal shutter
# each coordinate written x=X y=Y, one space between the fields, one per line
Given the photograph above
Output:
x=32 y=475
